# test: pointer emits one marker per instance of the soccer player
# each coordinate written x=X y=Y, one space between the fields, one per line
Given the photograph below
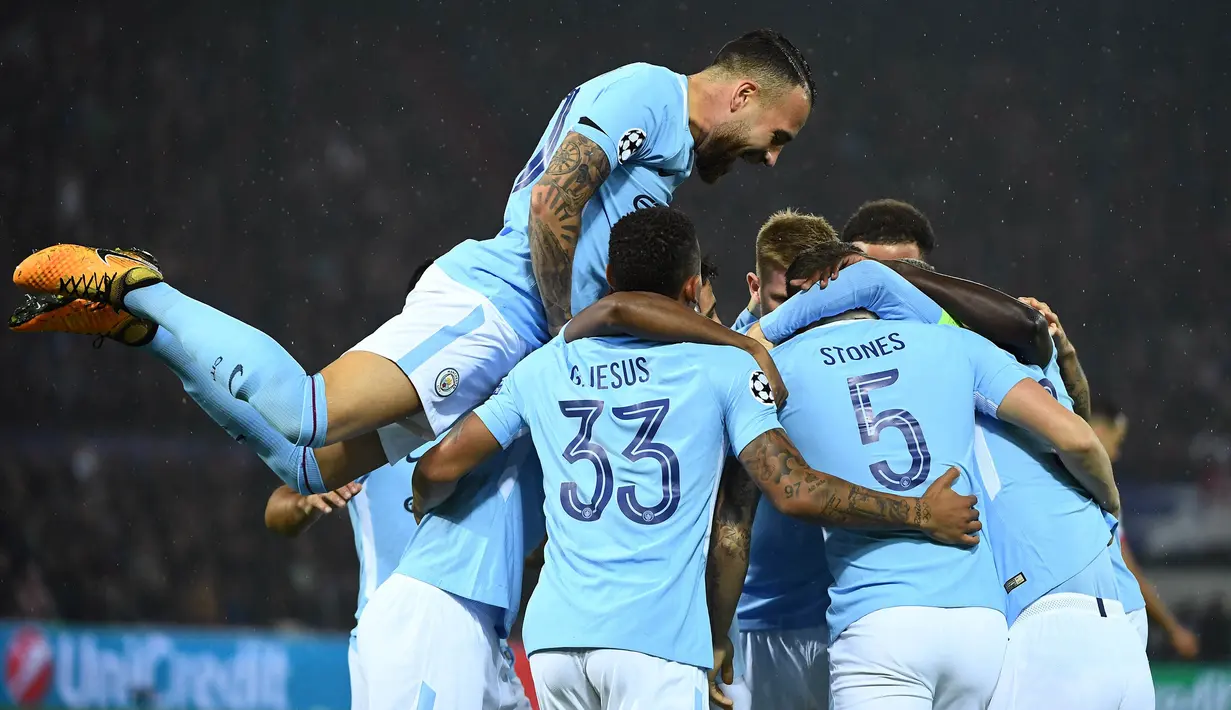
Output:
x=1141 y=599
x=781 y=615
x=617 y=142
x=618 y=618
x=785 y=235
x=379 y=509
x=941 y=607
x=1051 y=548
x=890 y=229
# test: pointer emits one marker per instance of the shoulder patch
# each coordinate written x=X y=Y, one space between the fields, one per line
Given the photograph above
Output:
x=758 y=385
x=631 y=142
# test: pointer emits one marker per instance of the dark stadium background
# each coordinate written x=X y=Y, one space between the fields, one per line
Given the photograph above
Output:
x=292 y=162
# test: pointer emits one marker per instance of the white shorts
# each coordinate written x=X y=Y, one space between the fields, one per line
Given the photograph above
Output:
x=604 y=679
x=1066 y=652
x=918 y=658
x=1141 y=623
x=358 y=686
x=787 y=669
x=421 y=647
x=453 y=345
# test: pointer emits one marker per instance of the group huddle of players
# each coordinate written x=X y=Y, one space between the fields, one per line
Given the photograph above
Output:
x=878 y=490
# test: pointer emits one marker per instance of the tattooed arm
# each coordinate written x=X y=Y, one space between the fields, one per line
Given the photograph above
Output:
x=1071 y=372
x=576 y=170
x=730 y=546
x=781 y=473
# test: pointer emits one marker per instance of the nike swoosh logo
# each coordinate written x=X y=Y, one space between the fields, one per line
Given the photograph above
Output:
x=239 y=370
x=104 y=253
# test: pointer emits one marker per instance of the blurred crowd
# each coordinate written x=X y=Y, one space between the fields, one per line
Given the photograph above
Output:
x=291 y=163
x=96 y=538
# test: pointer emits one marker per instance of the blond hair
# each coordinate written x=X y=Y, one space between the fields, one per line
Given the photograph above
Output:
x=786 y=235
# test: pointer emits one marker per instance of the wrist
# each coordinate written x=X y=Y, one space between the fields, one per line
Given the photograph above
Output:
x=919 y=515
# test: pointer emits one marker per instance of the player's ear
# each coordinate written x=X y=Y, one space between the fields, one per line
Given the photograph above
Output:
x=754 y=285
x=609 y=276
x=692 y=290
x=744 y=92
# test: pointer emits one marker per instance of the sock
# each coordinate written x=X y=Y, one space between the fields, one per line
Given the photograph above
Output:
x=295 y=465
x=246 y=363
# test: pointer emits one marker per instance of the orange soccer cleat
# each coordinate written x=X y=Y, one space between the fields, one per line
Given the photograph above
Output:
x=43 y=313
x=102 y=275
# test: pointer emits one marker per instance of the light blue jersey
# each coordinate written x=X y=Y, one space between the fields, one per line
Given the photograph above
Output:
x=638 y=115
x=784 y=589
x=887 y=405
x=782 y=592
x=1045 y=529
x=744 y=322
x=632 y=436
x=1128 y=588
x=474 y=545
x=381 y=518
x=865 y=284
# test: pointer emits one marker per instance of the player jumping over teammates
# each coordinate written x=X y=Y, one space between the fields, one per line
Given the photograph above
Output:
x=618 y=142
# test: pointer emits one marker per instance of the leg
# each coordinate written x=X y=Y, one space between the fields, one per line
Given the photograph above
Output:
x=627 y=680
x=560 y=682
x=439 y=358
x=421 y=648
x=865 y=673
x=1071 y=657
x=303 y=469
x=365 y=391
x=249 y=364
x=967 y=671
x=358 y=686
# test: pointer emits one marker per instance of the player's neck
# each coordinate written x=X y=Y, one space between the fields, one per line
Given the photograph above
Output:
x=702 y=92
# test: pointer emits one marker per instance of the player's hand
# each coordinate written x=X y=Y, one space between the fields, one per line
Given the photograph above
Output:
x=1054 y=328
x=1185 y=642
x=722 y=670
x=948 y=517
x=325 y=503
x=823 y=277
x=426 y=495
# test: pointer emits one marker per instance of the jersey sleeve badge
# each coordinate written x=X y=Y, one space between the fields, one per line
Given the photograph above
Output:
x=758 y=385
x=631 y=142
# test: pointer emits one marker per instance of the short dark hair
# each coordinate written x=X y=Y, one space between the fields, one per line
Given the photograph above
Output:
x=820 y=258
x=890 y=222
x=418 y=274
x=653 y=249
x=709 y=270
x=770 y=53
x=918 y=264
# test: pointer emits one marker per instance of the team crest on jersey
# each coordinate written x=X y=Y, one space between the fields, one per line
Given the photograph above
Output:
x=758 y=385
x=446 y=382
x=630 y=143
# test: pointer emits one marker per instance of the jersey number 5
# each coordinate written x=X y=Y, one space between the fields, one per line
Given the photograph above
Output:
x=583 y=448
x=871 y=424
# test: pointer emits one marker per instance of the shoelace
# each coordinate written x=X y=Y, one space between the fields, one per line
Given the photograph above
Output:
x=78 y=286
